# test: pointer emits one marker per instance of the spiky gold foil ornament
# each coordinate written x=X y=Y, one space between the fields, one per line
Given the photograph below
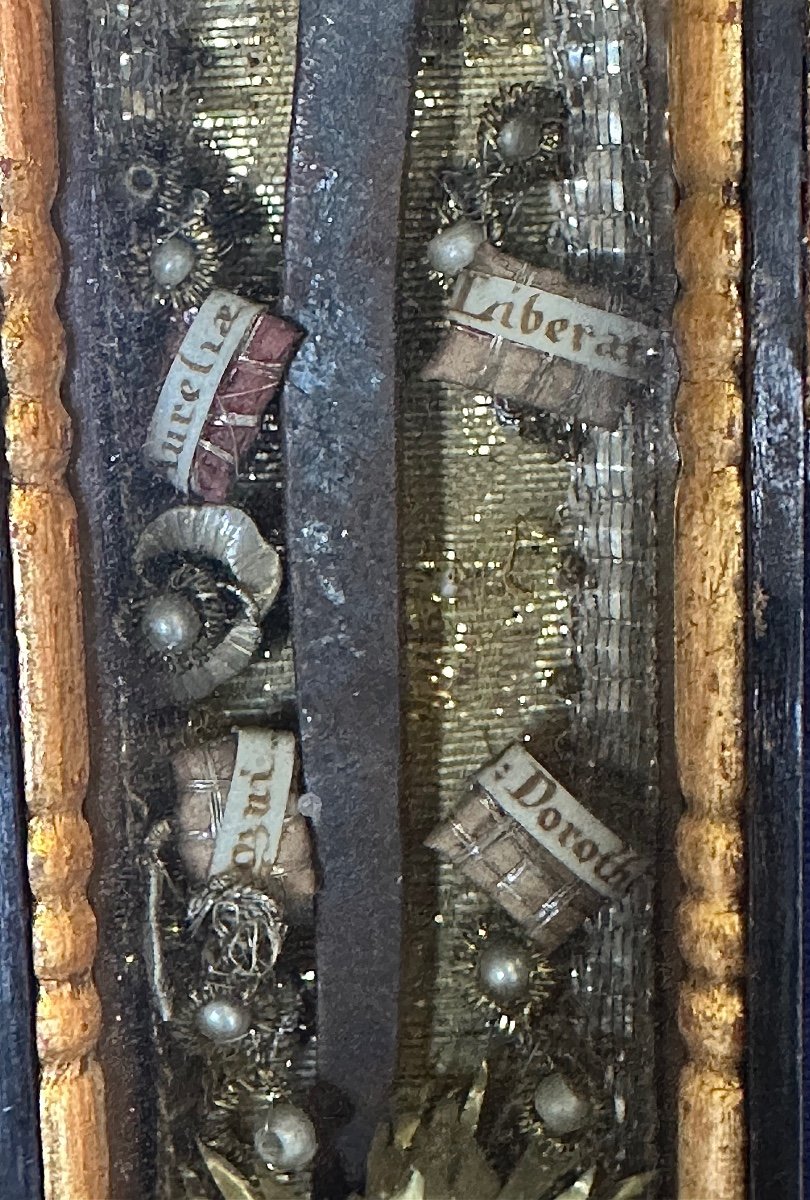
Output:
x=436 y=1155
x=232 y=1185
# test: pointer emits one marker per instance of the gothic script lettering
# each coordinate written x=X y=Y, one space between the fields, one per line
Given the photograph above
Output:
x=188 y=392
x=559 y=823
x=555 y=325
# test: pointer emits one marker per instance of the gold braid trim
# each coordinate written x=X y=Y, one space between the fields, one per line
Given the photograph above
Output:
x=707 y=129
x=48 y=614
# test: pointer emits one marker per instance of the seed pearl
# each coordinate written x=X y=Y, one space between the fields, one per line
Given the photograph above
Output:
x=172 y=261
x=519 y=138
x=452 y=249
x=223 y=1021
x=286 y=1139
x=503 y=971
x=448 y=584
x=559 y=1107
x=171 y=624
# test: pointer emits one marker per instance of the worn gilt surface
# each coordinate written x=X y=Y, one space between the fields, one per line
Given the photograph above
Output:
x=707 y=136
x=44 y=549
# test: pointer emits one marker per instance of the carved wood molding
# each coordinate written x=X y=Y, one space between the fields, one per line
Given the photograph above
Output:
x=43 y=529
x=707 y=128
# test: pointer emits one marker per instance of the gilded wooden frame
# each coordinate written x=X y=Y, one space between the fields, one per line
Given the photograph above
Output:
x=706 y=119
x=707 y=127
x=43 y=533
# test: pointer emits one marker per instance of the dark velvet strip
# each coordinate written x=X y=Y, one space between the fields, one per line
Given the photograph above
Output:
x=348 y=145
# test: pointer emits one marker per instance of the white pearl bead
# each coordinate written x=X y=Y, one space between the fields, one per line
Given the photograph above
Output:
x=171 y=624
x=559 y=1107
x=453 y=248
x=503 y=971
x=519 y=138
x=448 y=584
x=286 y=1140
x=172 y=261
x=223 y=1021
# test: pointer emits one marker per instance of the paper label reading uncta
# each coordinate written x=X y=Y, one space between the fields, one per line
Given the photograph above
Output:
x=560 y=824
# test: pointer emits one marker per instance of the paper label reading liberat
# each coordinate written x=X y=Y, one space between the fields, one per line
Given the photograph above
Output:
x=553 y=324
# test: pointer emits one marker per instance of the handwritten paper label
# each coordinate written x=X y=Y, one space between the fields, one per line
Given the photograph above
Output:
x=191 y=384
x=555 y=325
x=248 y=837
x=559 y=823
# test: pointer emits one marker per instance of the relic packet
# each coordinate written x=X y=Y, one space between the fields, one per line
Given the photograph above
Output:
x=209 y=411
x=529 y=335
x=528 y=843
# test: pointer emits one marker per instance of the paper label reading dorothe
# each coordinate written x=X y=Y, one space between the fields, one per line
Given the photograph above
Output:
x=555 y=325
x=249 y=834
x=191 y=384
x=559 y=823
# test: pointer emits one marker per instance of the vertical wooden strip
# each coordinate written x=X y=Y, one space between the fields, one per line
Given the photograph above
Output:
x=707 y=129
x=776 y=366
x=48 y=613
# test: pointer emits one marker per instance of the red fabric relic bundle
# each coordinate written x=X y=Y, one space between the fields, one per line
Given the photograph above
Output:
x=226 y=371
